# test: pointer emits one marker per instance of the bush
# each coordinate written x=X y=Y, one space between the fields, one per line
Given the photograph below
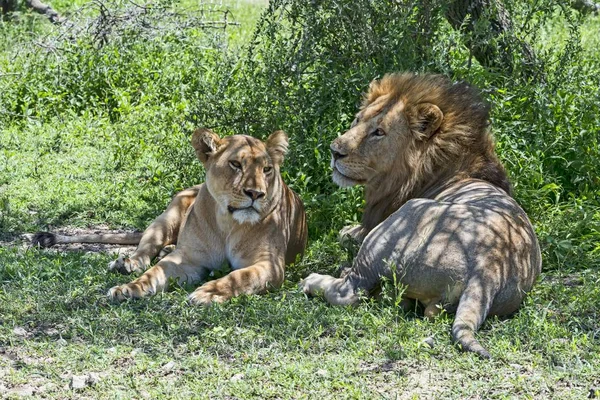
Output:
x=304 y=71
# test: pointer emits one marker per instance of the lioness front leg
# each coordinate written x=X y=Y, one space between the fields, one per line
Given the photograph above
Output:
x=255 y=279
x=156 y=279
x=163 y=231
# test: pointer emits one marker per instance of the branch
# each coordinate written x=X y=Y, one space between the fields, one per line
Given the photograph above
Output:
x=489 y=46
x=44 y=9
x=586 y=6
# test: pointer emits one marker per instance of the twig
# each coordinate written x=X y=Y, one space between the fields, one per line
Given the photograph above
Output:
x=586 y=6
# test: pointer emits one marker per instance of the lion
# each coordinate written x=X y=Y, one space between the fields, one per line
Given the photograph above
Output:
x=439 y=212
x=243 y=213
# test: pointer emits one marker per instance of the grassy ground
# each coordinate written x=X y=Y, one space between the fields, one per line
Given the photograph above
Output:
x=60 y=338
x=56 y=324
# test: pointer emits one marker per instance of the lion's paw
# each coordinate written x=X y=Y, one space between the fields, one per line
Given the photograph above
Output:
x=125 y=265
x=313 y=284
x=352 y=233
x=207 y=294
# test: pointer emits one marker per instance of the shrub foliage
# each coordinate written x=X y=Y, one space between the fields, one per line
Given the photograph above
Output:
x=131 y=102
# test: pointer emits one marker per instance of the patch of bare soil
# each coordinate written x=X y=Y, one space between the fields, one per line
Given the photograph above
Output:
x=116 y=249
x=419 y=380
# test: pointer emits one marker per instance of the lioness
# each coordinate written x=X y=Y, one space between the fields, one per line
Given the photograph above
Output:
x=439 y=212
x=244 y=213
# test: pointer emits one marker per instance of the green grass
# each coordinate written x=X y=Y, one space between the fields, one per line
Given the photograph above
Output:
x=281 y=345
x=92 y=136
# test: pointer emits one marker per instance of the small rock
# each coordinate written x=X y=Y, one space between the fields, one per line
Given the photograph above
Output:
x=78 y=382
x=429 y=342
x=51 y=332
x=516 y=366
x=168 y=366
x=236 y=377
x=93 y=378
x=136 y=351
x=20 y=331
x=322 y=372
x=46 y=387
x=61 y=342
x=22 y=391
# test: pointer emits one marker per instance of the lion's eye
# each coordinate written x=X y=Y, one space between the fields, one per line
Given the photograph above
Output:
x=266 y=170
x=235 y=164
x=378 y=132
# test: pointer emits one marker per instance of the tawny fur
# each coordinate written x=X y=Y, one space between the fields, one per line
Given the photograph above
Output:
x=439 y=213
x=243 y=214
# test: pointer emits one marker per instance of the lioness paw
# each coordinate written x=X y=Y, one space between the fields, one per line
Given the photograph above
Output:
x=129 y=291
x=165 y=252
x=207 y=294
x=125 y=265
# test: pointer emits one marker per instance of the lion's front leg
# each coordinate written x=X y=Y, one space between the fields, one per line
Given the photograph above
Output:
x=255 y=279
x=156 y=279
x=353 y=233
x=337 y=291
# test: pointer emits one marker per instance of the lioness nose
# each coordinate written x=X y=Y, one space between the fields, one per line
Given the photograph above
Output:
x=336 y=154
x=254 y=194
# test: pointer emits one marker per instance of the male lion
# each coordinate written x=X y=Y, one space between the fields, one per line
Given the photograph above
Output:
x=244 y=213
x=439 y=212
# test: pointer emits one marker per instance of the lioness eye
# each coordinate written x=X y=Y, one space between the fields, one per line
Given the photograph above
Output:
x=378 y=132
x=266 y=170
x=235 y=164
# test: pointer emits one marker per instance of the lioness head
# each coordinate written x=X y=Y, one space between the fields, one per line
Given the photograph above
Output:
x=242 y=173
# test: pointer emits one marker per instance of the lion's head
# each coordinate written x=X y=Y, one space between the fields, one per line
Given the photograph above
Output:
x=242 y=172
x=413 y=135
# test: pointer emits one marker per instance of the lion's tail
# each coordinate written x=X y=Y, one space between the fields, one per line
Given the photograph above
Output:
x=472 y=310
x=48 y=239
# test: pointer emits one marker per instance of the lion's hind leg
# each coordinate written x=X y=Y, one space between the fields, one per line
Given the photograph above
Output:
x=161 y=233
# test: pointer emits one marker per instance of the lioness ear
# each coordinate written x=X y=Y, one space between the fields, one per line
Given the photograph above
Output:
x=205 y=143
x=424 y=120
x=277 y=146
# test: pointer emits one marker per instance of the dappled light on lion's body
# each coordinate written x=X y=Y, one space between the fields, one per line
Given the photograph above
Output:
x=438 y=215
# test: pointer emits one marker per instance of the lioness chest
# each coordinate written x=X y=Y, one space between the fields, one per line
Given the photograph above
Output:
x=214 y=234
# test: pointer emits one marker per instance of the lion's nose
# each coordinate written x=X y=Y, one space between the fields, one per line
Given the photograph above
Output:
x=336 y=154
x=254 y=194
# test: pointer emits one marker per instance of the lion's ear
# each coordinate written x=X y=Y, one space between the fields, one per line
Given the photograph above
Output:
x=277 y=146
x=424 y=120
x=205 y=143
